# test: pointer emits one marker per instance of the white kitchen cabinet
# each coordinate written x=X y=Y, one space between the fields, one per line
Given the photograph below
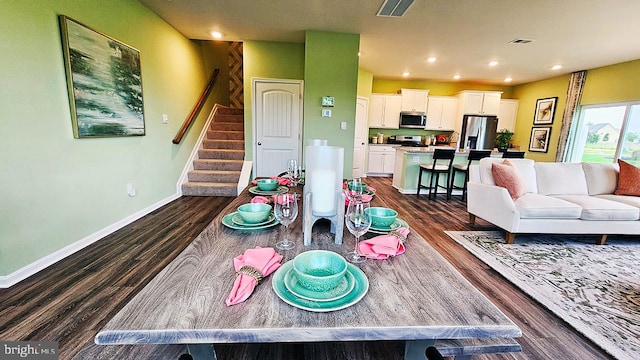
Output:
x=479 y=102
x=441 y=113
x=381 y=160
x=414 y=100
x=507 y=114
x=384 y=111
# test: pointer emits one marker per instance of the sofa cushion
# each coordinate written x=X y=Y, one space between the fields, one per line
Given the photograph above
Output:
x=628 y=180
x=507 y=176
x=602 y=178
x=597 y=208
x=629 y=200
x=524 y=166
x=536 y=206
x=555 y=178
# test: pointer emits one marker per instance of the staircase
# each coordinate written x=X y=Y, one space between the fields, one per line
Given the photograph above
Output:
x=216 y=171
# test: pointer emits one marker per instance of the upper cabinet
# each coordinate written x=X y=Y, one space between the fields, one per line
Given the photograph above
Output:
x=414 y=100
x=441 y=113
x=384 y=111
x=480 y=102
x=507 y=114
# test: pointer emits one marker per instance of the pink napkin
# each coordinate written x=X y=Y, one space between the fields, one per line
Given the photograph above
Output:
x=365 y=198
x=250 y=268
x=383 y=246
x=281 y=181
x=260 y=199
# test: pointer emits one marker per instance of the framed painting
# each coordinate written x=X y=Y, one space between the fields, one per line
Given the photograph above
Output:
x=104 y=83
x=539 y=141
x=545 y=111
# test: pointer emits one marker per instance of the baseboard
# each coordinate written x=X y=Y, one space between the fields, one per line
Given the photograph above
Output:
x=48 y=260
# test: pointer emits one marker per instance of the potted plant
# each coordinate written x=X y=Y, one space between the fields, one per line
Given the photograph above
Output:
x=503 y=139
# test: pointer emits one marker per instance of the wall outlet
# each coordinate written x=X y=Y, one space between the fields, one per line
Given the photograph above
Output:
x=343 y=125
x=131 y=191
x=416 y=159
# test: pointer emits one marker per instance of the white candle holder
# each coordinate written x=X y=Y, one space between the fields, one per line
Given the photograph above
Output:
x=323 y=195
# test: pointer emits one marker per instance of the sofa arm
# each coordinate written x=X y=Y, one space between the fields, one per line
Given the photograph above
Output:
x=493 y=204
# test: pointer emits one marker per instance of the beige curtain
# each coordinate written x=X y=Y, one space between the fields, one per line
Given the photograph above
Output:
x=574 y=94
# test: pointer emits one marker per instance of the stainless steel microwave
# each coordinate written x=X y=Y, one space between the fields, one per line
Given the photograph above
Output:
x=414 y=120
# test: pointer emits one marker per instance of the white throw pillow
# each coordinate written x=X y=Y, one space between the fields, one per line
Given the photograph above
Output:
x=556 y=178
x=602 y=178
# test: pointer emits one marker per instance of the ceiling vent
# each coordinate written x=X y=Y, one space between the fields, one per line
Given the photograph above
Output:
x=520 y=41
x=394 y=8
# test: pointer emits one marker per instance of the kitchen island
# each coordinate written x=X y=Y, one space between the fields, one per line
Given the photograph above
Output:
x=407 y=166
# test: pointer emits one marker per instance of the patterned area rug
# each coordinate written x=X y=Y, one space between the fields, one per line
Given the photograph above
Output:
x=594 y=288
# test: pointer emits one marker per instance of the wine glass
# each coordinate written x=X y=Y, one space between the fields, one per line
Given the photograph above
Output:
x=295 y=174
x=286 y=211
x=358 y=221
x=354 y=189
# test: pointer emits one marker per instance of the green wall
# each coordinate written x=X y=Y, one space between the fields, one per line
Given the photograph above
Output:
x=331 y=69
x=265 y=59
x=610 y=84
x=389 y=86
x=57 y=190
x=365 y=83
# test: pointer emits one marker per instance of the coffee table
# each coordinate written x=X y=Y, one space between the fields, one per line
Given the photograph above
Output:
x=417 y=297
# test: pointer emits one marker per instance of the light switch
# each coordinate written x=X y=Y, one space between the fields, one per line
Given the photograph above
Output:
x=165 y=118
x=343 y=125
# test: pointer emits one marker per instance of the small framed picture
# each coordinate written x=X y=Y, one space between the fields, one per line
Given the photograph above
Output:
x=545 y=111
x=326 y=113
x=539 y=141
x=327 y=101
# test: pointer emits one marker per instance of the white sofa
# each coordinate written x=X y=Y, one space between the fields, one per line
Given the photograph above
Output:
x=560 y=198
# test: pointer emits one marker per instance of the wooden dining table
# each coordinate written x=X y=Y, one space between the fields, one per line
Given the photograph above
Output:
x=417 y=297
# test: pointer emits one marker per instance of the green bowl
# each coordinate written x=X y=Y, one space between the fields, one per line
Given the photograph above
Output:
x=381 y=216
x=319 y=270
x=352 y=187
x=267 y=184
x=254 y=213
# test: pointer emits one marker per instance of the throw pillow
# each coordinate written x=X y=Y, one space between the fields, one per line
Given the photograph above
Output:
x=628 y=180
x=506 y=175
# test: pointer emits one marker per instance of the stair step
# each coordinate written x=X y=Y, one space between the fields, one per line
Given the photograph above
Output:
x=229 y=111
x=216 y=164
x=209 y=189
x=227 y=126
x=225 y=135
x=229 y=118
x=223 y=144
x=228 y=154
x=217 y=176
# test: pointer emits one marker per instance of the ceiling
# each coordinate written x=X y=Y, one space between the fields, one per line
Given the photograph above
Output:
x=464 y=36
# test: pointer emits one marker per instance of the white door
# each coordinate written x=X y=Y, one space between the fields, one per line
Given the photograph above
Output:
x=277 y=109
x=360 y=136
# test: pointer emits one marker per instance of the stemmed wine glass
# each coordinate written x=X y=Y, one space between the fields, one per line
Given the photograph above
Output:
x=358 y=221
x=354 y=189
x=286 y=211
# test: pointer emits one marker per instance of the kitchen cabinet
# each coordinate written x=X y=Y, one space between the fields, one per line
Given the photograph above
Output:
x=479 y=102
x=414 y=100
x=384 y=111
x=381 y=160
x=441 y=113
x=507 y=114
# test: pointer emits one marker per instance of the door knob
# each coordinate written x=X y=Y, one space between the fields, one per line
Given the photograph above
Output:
x=259 y=143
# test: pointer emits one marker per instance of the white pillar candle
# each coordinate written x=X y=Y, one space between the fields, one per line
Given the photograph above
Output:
x=323 y=191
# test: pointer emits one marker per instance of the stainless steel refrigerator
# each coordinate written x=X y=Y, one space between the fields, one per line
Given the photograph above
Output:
x=478 y=132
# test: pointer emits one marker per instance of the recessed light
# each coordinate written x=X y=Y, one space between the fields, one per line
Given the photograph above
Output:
x=456 y=76
x=405 y=74
x=556 y=67
x=493 y=63
x=216 y=35
x=508 y=79
x=432 y=59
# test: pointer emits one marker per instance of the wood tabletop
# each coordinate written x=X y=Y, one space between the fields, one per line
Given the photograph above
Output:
x=414 y=296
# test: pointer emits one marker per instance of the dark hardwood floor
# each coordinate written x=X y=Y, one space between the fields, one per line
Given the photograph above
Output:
x=70 y=301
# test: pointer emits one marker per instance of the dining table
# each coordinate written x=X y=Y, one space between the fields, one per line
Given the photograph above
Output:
x=416 y=297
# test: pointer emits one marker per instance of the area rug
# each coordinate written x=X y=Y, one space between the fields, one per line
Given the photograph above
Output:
x=596 y=289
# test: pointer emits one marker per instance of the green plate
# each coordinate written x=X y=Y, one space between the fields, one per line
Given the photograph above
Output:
x=228 y=222
x=368 y=192
x=385 y=230
x=359 y=291
x=238 y=220
x=279 y=190
x=343 y=288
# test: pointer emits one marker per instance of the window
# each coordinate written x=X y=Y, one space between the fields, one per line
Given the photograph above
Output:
x=605 y=133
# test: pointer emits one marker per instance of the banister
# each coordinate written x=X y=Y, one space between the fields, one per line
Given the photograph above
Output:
x=196 y=108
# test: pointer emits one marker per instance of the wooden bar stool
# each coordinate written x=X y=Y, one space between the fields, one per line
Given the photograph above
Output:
x=474 y=155
x=513 y=154
x=437 y=168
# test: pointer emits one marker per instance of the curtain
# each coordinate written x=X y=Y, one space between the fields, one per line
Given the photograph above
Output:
x=574 y=94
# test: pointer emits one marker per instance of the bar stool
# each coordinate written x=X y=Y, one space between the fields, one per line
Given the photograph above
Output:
x=513 y=154
x=436 y=169
x=474 y=155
